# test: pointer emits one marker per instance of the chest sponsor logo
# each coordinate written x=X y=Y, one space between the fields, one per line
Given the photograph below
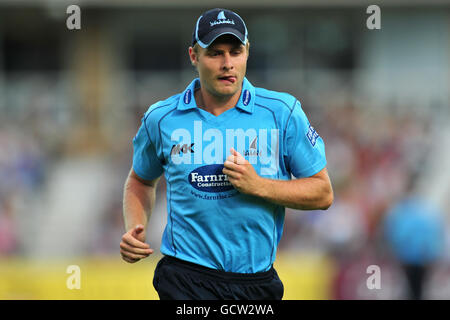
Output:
x=210 y=178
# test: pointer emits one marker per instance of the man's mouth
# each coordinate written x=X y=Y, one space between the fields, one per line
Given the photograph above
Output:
x=228 y=79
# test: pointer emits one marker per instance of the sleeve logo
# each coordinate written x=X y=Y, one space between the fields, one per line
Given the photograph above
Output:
x=312 y=135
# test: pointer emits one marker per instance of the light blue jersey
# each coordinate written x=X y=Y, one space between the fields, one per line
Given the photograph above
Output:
x=209 y=222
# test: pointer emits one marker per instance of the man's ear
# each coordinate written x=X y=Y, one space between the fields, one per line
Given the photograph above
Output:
x=248 y=48
x=193 y=56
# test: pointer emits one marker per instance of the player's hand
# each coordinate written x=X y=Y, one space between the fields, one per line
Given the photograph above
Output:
x=133 y=247
x=241 y=173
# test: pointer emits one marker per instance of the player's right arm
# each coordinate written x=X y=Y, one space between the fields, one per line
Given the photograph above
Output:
x=140 y=190
x=138 y=200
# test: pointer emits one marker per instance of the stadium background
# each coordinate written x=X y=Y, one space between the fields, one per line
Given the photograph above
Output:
x=71 y=101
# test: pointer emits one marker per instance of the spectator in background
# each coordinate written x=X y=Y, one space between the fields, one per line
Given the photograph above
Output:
x=414 y=231
x=8 y=236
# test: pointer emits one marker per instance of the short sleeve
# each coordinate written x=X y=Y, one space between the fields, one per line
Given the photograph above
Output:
x=145 y=160
x=304 y=148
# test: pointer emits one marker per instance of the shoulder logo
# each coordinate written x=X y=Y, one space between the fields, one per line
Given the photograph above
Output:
x=246 y=97
x=187 y=96
x=312 y=135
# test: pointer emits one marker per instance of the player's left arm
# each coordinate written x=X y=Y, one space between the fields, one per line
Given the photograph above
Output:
x=310 y=193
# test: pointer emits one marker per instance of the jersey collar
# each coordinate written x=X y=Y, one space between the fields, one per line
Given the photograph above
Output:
x=246 y=101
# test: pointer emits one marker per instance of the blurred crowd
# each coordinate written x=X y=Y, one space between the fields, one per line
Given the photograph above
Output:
x=376 y=160
x=22 y=173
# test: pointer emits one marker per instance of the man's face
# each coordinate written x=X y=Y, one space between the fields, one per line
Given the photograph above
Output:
x=221 y=66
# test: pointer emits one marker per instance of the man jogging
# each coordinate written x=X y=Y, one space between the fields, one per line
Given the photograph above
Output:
x=228 y=152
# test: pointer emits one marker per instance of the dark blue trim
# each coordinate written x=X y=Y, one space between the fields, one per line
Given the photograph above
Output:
x=170 y=216
x=273 y=234
x=159 y=130
x=164 y=105
x=287 y=106
x=167 y=181
x=278 y=177
x=289 y=119
x=275 y=121
x=146 y=116
x=145 y=125
x=162 y=161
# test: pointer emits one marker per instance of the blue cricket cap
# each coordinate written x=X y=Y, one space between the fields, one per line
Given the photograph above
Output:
x=217 y=22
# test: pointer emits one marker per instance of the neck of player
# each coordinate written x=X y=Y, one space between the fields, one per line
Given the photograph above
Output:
x=214 y=104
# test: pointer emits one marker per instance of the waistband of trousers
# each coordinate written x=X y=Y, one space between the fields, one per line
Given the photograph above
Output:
x=222 y=275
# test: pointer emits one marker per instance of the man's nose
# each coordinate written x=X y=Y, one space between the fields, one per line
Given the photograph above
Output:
x=227 y=62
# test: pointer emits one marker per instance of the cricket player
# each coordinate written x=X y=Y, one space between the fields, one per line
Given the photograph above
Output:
x=234 y=156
